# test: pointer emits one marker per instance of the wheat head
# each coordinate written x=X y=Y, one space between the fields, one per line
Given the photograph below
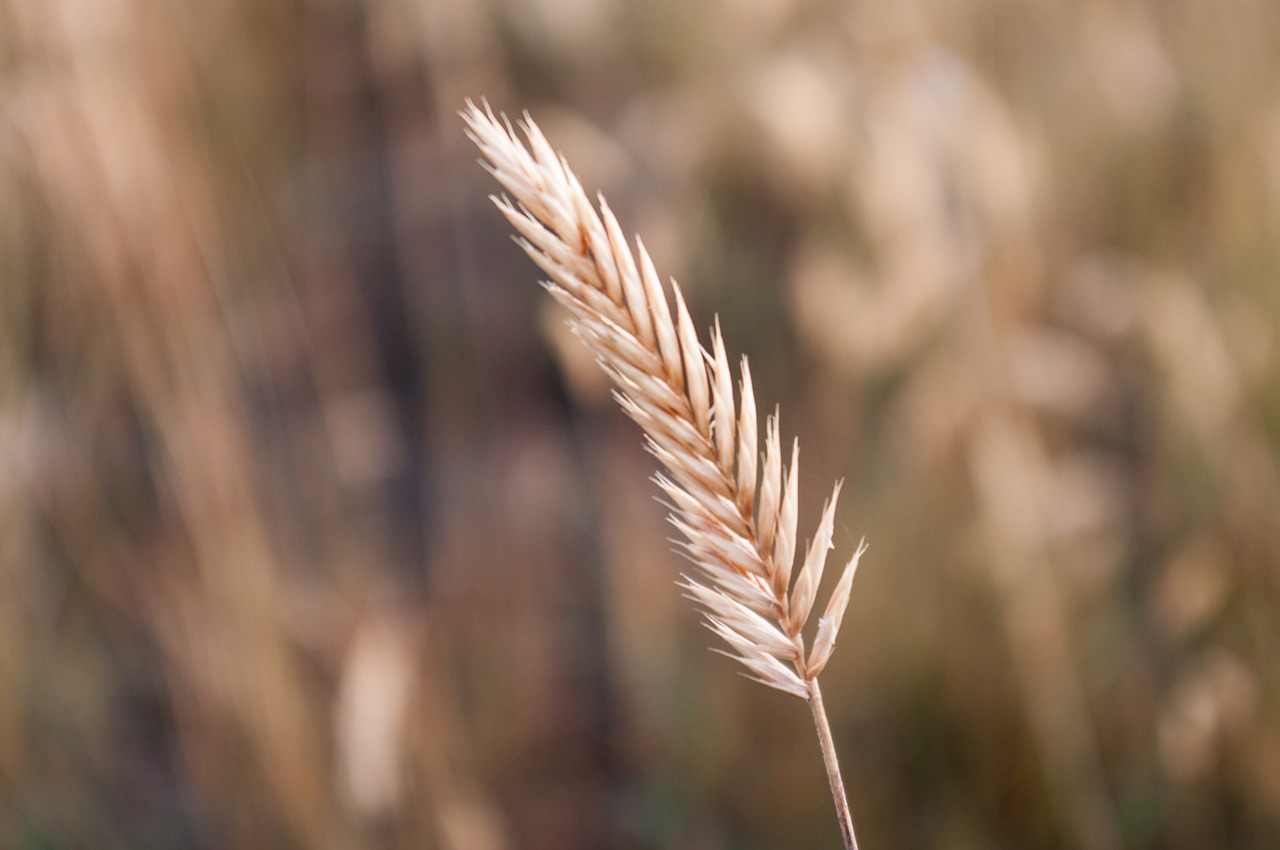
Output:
x=736 y=507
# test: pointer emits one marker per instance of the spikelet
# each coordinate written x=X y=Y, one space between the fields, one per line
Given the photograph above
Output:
x=736 y=509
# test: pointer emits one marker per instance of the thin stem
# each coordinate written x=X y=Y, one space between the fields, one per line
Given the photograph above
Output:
x=833 y=765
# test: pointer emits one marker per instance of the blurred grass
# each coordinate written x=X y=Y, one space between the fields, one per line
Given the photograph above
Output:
x=315 y=531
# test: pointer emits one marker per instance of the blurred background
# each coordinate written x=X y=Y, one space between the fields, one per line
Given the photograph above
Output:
x=317 y=531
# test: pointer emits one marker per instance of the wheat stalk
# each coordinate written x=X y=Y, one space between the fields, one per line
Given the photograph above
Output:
x=738 y=515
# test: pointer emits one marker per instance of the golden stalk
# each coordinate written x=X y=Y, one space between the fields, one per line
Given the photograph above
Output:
x=736 y=508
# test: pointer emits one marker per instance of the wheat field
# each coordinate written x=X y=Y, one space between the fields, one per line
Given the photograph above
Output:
x=319 y=528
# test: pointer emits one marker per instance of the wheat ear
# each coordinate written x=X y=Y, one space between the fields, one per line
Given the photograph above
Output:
x=735 y=508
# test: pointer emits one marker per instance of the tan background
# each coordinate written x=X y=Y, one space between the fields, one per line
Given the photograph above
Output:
x=317 y=532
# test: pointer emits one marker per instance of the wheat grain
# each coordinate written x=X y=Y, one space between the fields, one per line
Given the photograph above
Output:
x=739 y=529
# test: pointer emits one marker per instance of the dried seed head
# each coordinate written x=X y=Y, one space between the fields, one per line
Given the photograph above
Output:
x=738 y=515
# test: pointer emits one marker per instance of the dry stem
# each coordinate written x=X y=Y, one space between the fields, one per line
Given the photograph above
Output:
x=833 y=766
